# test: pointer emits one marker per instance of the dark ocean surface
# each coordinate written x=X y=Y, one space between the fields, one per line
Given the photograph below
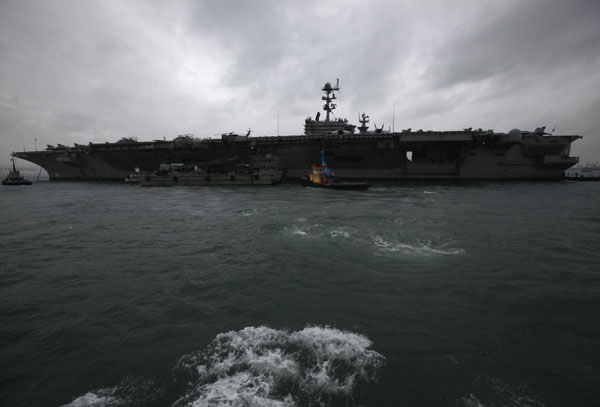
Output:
x=409 y=294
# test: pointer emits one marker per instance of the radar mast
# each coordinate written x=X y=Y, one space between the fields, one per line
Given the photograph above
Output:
x=329 y=96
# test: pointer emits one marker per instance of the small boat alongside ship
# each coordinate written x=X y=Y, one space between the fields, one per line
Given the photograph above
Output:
x=14 y=177
x=261 y=170
x=583 y=173
x=321 y=176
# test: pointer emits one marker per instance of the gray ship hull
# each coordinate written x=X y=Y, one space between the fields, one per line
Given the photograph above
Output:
x=393 y=156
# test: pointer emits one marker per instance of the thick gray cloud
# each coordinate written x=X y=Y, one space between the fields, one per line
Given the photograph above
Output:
x=74 y=72
x=524 y=40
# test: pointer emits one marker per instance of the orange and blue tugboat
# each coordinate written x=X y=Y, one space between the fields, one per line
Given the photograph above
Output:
x=14 y=177
x=321 y=176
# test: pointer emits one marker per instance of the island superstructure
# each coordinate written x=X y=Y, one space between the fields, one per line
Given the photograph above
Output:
x=355 y=152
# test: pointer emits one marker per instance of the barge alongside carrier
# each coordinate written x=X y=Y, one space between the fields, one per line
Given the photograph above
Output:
x=355 y=152
x=261 y=170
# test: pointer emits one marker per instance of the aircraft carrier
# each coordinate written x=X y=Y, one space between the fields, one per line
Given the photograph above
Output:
x=354 y=151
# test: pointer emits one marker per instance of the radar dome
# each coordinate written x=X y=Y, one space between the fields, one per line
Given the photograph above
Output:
x=515 y=136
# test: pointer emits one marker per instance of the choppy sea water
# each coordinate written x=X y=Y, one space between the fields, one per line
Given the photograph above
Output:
x=409 y=294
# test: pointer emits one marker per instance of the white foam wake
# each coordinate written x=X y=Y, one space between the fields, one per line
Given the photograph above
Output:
x=342 y=231
x=100 y=398
x=417 y=249
x=497 y=392
x=131 y=391
x=260 y=366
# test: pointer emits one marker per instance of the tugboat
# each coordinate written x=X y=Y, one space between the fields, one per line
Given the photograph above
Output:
x=14 y=177
x=321 y=176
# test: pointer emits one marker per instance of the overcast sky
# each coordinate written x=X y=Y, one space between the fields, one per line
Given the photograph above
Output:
x=80 y=71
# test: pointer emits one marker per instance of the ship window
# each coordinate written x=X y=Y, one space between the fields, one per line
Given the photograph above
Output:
x=409 y=156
